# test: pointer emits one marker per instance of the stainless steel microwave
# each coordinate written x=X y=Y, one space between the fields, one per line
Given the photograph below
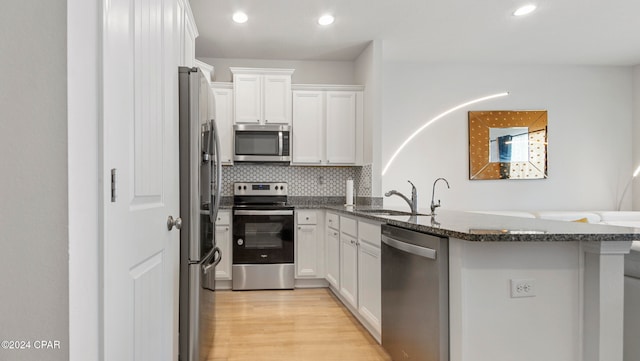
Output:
x=262 y=143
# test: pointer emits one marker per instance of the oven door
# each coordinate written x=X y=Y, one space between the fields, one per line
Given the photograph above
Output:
x=262 y=236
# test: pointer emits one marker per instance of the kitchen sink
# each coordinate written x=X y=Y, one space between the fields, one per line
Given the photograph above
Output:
x=386 y=212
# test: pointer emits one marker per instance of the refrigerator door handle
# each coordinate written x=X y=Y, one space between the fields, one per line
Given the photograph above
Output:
x=217 y=257
x=217 y=173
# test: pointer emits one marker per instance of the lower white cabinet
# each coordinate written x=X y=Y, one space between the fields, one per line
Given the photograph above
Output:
x=223 y=241
x=309 y=245
x=357 y=261
x=369 y=274
x=349 y=269
x=333 y=251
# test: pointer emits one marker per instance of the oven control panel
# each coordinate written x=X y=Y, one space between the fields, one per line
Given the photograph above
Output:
x=260 y=189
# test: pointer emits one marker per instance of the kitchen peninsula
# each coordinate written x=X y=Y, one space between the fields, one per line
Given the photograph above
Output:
x=574 y=310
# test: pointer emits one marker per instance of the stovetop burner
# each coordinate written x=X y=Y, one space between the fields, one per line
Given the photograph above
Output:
x=260 y=194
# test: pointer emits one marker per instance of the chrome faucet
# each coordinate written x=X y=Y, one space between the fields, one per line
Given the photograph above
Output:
x=433 y=192
x=413 y=203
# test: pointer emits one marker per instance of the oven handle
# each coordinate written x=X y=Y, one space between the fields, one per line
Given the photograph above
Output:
x=263 y=213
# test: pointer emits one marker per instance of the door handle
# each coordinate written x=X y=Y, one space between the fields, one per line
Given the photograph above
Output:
x=174 y=223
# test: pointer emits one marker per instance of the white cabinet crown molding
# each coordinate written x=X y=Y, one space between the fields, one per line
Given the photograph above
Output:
x=327 y=87
x=261 y=71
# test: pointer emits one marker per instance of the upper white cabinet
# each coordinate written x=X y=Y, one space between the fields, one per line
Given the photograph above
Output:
x=188 y=32
x=262 y=96
x=308 y=135
x=327 y=125
x=207 y=70
x=223 y=105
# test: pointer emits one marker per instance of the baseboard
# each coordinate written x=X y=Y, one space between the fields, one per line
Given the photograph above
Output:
x=311 y=283
x=223 y=284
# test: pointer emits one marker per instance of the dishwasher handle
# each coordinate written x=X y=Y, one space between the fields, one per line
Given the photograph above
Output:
x=409 y=248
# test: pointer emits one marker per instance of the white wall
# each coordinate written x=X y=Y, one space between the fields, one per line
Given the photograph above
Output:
x=306 y=72
x=590 y=122
x=34 y=283
x=636 y=135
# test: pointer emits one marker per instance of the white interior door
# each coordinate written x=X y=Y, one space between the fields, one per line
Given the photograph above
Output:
x=140 y=255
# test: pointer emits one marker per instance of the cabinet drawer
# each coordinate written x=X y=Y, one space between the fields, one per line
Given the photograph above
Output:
x=349 y=226
x=306 y=217
x=333 y=220
x=223 y=218
x=369 y=233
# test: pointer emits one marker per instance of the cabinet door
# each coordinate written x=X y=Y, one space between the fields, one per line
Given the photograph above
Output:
x=247 y=98
x=369 y=284
x=223 y=100
x=308 y=124
x=341 y=127
x=333 y=257
x=223 y=241
x=277 y=99
x=307 y=251
x=349 y=269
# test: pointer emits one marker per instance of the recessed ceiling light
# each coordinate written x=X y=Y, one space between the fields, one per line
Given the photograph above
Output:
x=326 y=20
x=524 y=10
x=240 y=17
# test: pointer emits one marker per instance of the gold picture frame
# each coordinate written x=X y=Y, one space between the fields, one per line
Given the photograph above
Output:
x=508 y=144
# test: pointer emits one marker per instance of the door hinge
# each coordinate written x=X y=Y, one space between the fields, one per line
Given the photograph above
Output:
x=113 y=185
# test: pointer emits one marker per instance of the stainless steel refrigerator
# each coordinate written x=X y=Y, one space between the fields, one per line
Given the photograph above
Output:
x=200 y=181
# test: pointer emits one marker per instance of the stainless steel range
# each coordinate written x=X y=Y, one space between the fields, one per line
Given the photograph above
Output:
x=263 y=231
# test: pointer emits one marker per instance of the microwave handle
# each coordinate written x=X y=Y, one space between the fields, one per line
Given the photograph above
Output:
x=280 y=143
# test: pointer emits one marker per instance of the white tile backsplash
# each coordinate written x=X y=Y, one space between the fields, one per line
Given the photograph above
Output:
x=303 y=181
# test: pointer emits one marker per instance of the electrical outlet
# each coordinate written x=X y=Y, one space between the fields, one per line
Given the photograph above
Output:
x=523 y=288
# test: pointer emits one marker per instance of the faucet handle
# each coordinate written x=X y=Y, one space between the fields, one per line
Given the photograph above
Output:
x=412 y=186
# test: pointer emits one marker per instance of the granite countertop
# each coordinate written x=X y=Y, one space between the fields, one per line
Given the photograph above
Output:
x=493 y=228
x=468 y=226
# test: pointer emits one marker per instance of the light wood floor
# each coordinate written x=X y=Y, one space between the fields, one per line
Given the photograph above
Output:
x=300 y=325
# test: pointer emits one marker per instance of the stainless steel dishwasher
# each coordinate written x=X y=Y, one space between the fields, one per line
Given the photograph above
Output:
x=415 y=295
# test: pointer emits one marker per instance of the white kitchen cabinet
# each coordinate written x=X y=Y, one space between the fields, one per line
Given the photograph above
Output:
x=349 y=269
x=349 y=260
x=333 y=250
x=341 y=127
x=309 y=245
x=369 y=274
x=188 y=34
x=223 y=105
x=223 y=241
x=207 y=70
x=262 y=96
x=353 y=253
x=308 y=134
x=327 y=125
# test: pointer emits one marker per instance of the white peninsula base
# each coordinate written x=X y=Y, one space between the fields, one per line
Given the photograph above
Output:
x=575 y=313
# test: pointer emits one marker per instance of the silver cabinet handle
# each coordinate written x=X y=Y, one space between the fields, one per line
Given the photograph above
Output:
x=174 y=223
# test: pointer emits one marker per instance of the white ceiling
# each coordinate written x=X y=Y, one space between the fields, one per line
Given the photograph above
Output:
x=589 y=32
